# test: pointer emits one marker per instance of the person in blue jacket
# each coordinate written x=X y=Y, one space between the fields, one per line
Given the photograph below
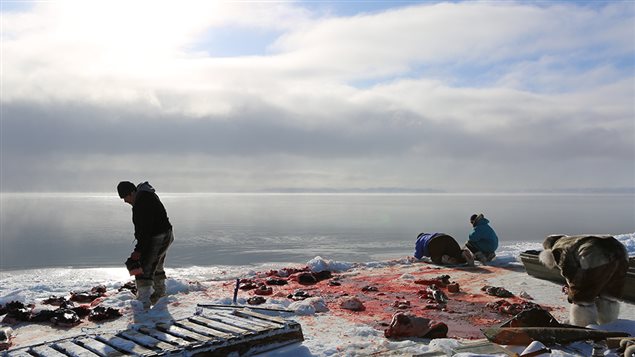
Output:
x=441 y=248
x=483 y=241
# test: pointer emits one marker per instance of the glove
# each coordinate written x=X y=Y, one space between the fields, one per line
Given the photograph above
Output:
x=135 y=255
x=134 y=266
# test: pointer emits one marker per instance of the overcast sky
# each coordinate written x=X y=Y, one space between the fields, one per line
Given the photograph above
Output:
x=255 y=95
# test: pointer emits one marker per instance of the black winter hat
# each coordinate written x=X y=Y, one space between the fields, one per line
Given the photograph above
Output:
x=124 y=188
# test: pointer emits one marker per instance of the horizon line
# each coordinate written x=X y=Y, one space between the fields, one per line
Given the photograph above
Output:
x=354 y=192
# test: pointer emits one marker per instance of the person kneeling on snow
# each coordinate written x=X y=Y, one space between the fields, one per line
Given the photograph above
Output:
x=595 y=269
x=441 y=249
x=483 y=241
x=153 y=232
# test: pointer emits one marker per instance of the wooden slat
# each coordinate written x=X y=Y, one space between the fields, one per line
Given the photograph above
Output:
x=74 y=350
x=125 y=345
x=165 y=337
x=250 y=320
x=181 y=332
x=46 y=351
x=250 y=307
x=219 y=325
x=18 y=353
x=98 y=347
x=236 y=322
x=218 y=333
x=147 y=341
x=274 y=319
x=204 y=330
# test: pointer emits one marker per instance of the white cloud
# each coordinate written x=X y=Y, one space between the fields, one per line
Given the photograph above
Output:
x=472 y=32
x=448 y=85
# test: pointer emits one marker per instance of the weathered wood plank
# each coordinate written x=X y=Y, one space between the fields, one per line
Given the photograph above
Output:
x=236 y=322
x=274 y=319
x=165 y=337
x=219 y=325
x=217 y=333
x=18 y=353
x=234 y=307
x=257 y=343
x=148 y=341
x=546 y=335
x=125 y=345
x=74 y=350
x=204 y=330
x=250 y=320
x=181 y=332
x=46 y=351
x=98 y=347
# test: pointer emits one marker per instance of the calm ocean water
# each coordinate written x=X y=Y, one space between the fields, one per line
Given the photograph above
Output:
x=83 y=230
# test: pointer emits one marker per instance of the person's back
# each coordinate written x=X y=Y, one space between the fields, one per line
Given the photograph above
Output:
x=595 y=268
x=421 y=245
x=482 y=240
x=148 y=215
x=441 y=248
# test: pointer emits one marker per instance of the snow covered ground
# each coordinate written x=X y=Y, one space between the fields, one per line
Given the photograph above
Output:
x=327 y=330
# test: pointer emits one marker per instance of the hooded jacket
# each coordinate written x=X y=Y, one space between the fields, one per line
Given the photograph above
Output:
x=483 y=236
x=580 y=257
x=572 y=253
x=422 y=243
x=148 y=216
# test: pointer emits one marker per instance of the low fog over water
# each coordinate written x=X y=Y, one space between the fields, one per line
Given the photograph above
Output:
x=78 y=230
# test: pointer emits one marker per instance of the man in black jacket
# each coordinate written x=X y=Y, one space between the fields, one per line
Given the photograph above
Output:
x=153 y=233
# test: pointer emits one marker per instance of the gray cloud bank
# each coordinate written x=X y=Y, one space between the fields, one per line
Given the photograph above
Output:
x=454 y=99
x=47 y=146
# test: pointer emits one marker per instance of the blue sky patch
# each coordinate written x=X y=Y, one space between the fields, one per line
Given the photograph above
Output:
x=16 y=6
x=355 y=7
x=233 y=41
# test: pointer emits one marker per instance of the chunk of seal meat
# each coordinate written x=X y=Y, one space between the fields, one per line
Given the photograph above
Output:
x=406 y=325
x=353 y=304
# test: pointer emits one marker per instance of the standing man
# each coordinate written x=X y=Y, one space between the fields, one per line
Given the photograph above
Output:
x=153 y=233
x=483 y=241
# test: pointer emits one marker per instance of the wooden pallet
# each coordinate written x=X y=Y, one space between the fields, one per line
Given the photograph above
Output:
x=214 y=332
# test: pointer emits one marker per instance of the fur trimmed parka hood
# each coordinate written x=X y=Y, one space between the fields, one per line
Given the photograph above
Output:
x=583 y=251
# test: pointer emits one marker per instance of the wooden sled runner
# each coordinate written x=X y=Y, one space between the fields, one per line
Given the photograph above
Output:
x=547 y=335
x=215 y=332
x=535 y=268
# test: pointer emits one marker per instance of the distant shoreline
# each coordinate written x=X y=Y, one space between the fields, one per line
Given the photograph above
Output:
x=346 y=192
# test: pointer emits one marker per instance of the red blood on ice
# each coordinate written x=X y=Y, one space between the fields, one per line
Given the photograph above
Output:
x=465 y=312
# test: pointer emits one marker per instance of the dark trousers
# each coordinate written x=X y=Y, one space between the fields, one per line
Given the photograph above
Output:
x=473 y=248
x=444 y=244
x=152 y=261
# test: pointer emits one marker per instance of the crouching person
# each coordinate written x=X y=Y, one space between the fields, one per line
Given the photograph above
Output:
x=595 y=270
x=441 y=249
x=153 y=233
x=482 y=241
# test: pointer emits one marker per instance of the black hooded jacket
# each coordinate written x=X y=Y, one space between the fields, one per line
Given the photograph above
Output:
x=149 y=217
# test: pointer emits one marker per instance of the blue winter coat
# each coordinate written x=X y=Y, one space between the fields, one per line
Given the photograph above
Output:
x=421 y=246
x=483 y=236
